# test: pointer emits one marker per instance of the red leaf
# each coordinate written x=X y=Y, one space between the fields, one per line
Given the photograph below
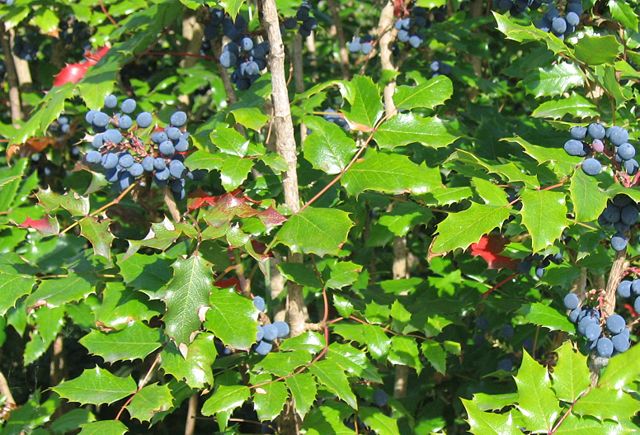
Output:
x=43 y=225
x=71 y=73
x=271 y=217
x=227 y=283
x=489 y=248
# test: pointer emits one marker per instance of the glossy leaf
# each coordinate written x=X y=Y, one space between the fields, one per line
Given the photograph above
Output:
x=407 y=128
x=537 y=402
x=544 y=215
x=96 y=386
x=318 y=231
x=232 y=318
x=136 y=341
x=327 y=148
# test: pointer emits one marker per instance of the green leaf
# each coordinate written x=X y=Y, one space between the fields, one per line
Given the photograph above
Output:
x=624 y=14
x=588 y=199
x=48 y=323
x=486 y=402
x=378 y=421
x=72 y=202
x=544 y=214
x=487 y=422
x=71 y=421
x=201 y=159
x=490 y=193
x=98 y=234
x=575 y=105
x=105 y=427
x=519 y=33
x=13 y=286
x=234 y=171
x=283 y=363
x=232 y=318
x=606 y=404
x=405 y=216
x=435 y=354
x=364 y=97
x=427 y=95
x=225 y=399
x=389 y=173
x=574 y=425
x=553 y=80
x=269 y=400
x=596 y=50
x=571 y=376
x=561 y=163
x=537 y=403
x=161 y=235
x=149 y=401
x=335 y=380
x=136 y=341
x=229 y=141
x=404 y=351
x=318 y=231
x=147 y=273
x=303 y=390
x=372 y=336
x=622 y=369
x=407 y=128
x=195 y=366
x=187 y=293
x=327 y=148
x=461 y=229
x=301 y=274
x=59 y=291
x=543 y=315
x=96 y=386
x=342 y=274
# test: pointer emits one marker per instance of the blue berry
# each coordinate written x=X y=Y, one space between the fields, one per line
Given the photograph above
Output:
x=617 y=135
x=90 y=115
x=259 y=303
x=63 y=120
x=162 y=175
x=136 y=169
x=573 y=315
x=619 y=242
x=626 y=151
x=621 y=341
x=173 y=133
x=596 y=131
x=128 y=105
x=593 y=331
x=182 y=145
x=572 y=19
x=178 y=119
x=125 y=122
x=159 y=163
x=158 y=137
x=635 y=286
x=247 y=44
x=615 y=323
x=147 y=163
x=591 y=166
x=415 y=41
x=110 y=161
x=636 y=304
x=93 y=157
x=124 y=180
x=631 y=166
x=259 y=333
x=380 y=398
x=578 y=132
x=283 y=328
x=166 y=148
x=126 y=160
x=100 y=119
x=144 y=119
x=176 y=168
x=270 y=332
x=112 y=135
x=624 y=289
x=559 y=25
x=97 y=141
x=629 y=214
x=571 y=301
x=604 y=347
x=574 y=147
x=263 y=348
x=110 y=101
x=366 y=48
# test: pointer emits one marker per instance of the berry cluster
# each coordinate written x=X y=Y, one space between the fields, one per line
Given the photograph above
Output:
x=75 y=33
x=439 y=68
x=267 y=334
x=628 y=288
x=540 y=262
x=24 y=48
x=409 y=27
x=592 y=140
x=606 y=336
x=60 y=125
x=303 y=21
x=621 y=213
x=362 y=45
x=243 y=53
x=121 y=151
x=517 y=7
x=561 y=26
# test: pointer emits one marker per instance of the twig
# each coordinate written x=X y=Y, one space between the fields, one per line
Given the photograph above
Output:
x=6 y=391
x=103 y=208
x=106 y=12
x=342 y=42
x=141 y=385
x=192 y=410
x=12 y=76
x=171 y=205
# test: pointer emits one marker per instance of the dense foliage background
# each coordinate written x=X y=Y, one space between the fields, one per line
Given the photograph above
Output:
x=395 y=190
